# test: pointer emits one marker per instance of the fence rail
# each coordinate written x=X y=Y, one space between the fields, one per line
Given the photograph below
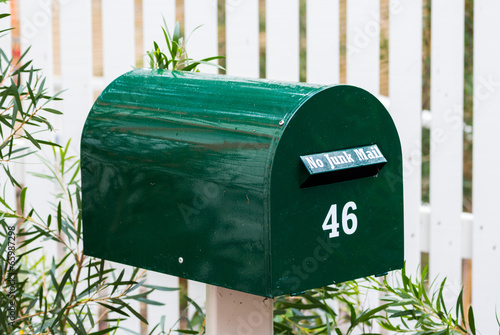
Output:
x=66 y=38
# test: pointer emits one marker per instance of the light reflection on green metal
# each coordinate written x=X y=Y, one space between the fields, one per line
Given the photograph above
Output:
x=206 y=169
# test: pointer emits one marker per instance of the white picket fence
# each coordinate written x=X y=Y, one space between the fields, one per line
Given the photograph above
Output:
x=444 y=232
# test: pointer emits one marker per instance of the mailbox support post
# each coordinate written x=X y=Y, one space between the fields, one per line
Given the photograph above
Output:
x=232 y=312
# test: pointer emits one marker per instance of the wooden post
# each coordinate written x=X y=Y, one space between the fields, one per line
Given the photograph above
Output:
x=236 y=313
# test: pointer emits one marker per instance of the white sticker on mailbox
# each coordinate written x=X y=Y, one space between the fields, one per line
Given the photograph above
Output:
x=349 y=220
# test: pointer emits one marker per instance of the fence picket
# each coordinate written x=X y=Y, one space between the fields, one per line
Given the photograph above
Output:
x=5 y=23
x=153 y=13
x=363 y=50
x=76 y=67
x=323 y=29
x=447 y=76
x=198 y=293
x=202 y=42
x=35 y=19
x=486 y=230
x=118 y=32
x=363 y=44
x=242 y=38
x=170 y=298
x=282 y=40
x=405 y=92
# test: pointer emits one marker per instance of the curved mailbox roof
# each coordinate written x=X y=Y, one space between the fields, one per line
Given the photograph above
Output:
x=216 y=179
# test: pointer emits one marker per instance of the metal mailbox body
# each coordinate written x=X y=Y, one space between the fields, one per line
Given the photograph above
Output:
x=201 y=177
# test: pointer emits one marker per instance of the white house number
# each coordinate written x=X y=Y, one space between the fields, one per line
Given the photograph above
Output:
x=349 y=220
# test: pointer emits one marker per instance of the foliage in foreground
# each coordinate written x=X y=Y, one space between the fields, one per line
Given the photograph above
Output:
x=407 y=306
x=49 y=291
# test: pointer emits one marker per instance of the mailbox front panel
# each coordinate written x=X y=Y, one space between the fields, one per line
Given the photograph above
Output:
x=349 y=223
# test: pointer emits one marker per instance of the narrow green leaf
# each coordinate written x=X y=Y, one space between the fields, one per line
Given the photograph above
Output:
x=4 y=246
x=11 y=178
x=161 y=288
x=54 y=97
x=23 y=199
x=198 y=308
x=114 y=309
x=59 y=294
x=23 y=55
x=472 y=324
x=192 y=32
x=101 y=270
x=46 y=307
x=353 y=314
x=187 y=331
x=31 y=250
x=175 y=40
x=17 y=104
x=153 y=330
x=3 y=323
x=5 y=204
x=4 y=121
x=460 y=306
x=167 y=38
x=150 y=302
x=77 y=329
x=58 y=317
x=80 y=323
x=211 y=58
x=30 y=77
x=32 y=96
x=52 y=110
x=117 y=281
x=49 y=143
x=91 y=318
x=28 y=136
x=59 y=218
x=134 y=274
x=137 y=315
x=365 y=316
x=104 y=331
x=40 y=296
x=41 y=88
x=79 y=217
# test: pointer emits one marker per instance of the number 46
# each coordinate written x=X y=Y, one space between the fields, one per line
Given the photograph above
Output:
x=332 y=224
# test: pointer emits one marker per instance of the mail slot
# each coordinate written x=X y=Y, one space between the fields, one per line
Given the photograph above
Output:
x=259 y=186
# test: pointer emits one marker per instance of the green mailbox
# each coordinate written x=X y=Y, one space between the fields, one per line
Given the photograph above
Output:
x=259 y=186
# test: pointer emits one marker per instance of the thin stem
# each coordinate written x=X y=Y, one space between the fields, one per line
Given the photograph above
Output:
x=20 y=126
x=73 y=293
